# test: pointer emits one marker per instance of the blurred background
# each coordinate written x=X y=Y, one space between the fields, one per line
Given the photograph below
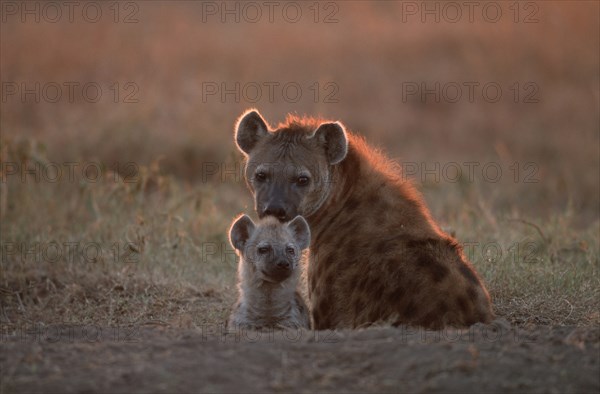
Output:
x=174 y=76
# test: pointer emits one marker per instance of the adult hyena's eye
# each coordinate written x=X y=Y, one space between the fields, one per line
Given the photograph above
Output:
x=302 y=180
x=291 y=251
x=261 y=176
x=264 y=249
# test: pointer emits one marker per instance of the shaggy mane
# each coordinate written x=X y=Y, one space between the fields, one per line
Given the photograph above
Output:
x=306 y=124
x=375 y=157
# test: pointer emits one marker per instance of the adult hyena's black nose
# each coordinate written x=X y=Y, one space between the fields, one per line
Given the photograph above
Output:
x=283 y=264
x=276 y=210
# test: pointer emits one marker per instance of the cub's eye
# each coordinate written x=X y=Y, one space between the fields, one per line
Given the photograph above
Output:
x=302 y=181
x=291 y=251
x=261 y=176
x=264 y=249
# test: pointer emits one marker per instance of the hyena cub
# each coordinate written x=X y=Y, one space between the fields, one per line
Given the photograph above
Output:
x=269 y=271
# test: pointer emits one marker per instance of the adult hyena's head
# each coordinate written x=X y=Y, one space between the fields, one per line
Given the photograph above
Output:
x=270 y=250
x=289 y=169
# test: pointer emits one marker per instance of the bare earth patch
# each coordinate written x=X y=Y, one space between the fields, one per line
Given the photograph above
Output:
x=483 y=359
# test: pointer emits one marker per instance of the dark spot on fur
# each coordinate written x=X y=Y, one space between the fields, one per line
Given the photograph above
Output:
x=324 y=307
x=373 y=198
x=471 y=293
x=382 y=213
x=395 y=271
x=321 y=314
x=462 y=303
x=438 y=249
x=359 y=305
x=351 y=204
x=374 y=315
x=350 y=221
x=320 y=271
x=410 y=310
x=437 y=270
x=468 y=273
x=442 y=308
x=329 y=280
x=472 y=319
x=421 y=243
x=361 y=284
x=378 y=292
x=351 y=250
x=397 y=295
x=381 y=247
x=316 y=315
x=431 y=320
x=392 y=244
x=348 y=233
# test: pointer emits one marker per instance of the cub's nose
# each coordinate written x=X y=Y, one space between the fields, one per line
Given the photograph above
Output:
x=283 y=264
x=276 y=210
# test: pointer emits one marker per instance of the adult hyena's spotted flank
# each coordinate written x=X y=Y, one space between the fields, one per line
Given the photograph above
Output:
x=376 y=253
x=269 y=270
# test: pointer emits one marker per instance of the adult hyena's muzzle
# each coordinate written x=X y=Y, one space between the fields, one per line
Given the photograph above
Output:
x=277 y=202
x=278 y=210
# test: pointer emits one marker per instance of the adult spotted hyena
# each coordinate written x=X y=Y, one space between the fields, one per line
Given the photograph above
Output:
x=376 y=253
x=269 y=270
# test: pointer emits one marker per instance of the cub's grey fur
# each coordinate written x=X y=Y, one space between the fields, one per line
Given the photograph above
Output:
x=269 y=271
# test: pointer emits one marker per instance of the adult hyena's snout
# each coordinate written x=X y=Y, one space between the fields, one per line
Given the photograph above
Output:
x=276 y=202
x=278 y=210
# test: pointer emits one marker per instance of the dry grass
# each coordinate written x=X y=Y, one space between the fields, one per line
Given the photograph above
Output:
x=174 y=266
x=171 y=218
x=149 y=251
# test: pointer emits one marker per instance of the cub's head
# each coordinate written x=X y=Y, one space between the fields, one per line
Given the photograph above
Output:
x=288 y=169
x=270 y=248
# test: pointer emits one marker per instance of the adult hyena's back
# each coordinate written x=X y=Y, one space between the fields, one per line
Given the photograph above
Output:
x=377 y=255
x=423 y=283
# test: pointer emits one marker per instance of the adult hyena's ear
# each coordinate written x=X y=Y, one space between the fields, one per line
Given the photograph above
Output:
x=241 y=230
x=250 y=128
x=299 y=227
x=333 y=137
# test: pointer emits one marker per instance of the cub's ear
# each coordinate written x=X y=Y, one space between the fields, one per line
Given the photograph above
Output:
x=250 y=128
x=299 y=227
x=333 y=137
x=241 y=230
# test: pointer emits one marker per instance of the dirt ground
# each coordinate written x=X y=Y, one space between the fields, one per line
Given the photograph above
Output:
x=493 y=358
